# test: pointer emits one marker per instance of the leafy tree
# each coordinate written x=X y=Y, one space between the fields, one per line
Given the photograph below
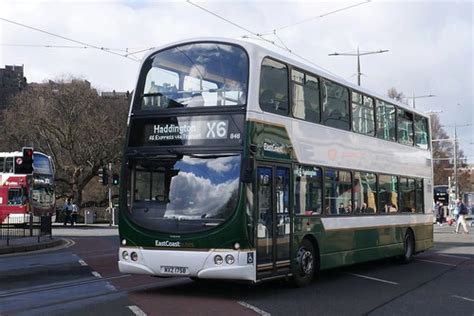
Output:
x=71 y=123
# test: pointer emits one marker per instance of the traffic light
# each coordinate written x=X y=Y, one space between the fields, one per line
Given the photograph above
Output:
x=103 y=176
x=24 y=164
x=115 y=179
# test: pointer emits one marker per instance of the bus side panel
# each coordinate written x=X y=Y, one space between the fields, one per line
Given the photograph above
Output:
x=339 y=247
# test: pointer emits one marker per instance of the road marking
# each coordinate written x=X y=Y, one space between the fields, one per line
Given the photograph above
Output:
x=463 y=298
x=371 y=278
x=255 y=309
x=453 y=256
x=437 y=262
x=82 y=263
x=136 y=310
x=96 y=274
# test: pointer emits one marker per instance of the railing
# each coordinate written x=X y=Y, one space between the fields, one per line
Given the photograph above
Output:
x=25 y=225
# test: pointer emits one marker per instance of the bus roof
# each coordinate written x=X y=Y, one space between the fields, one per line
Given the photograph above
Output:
x=265 y=48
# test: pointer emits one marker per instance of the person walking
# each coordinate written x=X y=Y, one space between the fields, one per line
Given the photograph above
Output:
x=67 y=209
x=74 y=214
x=461 y=216
x=438 y=210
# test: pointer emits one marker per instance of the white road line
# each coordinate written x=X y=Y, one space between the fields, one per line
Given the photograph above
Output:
x=453 y=256
x=437 y=262
x=82 y=263
x=136 y=310
x=371 y=278
x=463 y=298
x=96 y=274
x=255 y=309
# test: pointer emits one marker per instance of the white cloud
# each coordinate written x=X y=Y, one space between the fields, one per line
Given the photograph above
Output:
x=430 y=42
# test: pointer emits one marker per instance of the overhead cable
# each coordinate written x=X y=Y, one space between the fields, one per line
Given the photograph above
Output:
x=316 y=17
x=68 y=39
x=260 y=37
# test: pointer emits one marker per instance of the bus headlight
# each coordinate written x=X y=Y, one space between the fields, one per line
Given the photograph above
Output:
x=134 y=256
x=236 y=246
x=229 y=259
x=124 y=242
x=218 y=259
x=125 y=255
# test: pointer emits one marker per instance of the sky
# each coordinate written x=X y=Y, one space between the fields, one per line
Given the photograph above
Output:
x=430 y=42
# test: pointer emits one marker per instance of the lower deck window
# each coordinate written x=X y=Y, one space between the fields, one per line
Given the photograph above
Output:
x=308 y=190
x=338 y=192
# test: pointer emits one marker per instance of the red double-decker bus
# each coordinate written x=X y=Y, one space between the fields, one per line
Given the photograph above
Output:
x=26 y=185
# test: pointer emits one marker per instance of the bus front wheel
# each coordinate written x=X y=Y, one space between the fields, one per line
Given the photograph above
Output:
x=305 y=265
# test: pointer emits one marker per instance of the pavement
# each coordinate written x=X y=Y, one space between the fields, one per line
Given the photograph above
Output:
x=444 y=234
x=58 y=237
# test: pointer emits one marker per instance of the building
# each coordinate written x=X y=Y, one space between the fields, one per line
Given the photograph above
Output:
x=12 y=81
x=115 y=95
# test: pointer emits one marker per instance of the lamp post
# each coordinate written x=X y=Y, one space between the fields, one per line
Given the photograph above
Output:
x=419 y=97
x=455 y=155
x=358 y=54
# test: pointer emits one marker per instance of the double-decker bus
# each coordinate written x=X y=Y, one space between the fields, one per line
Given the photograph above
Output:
x=247 y=164
x=22 y=191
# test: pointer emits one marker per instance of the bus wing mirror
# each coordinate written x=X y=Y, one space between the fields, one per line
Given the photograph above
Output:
x=247 y=173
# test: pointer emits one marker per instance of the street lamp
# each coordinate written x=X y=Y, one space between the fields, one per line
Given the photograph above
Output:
x=455 y=156
x=358 y=54
x=419 y=97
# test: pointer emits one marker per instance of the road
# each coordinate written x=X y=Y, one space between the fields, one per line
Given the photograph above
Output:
x=82 y=278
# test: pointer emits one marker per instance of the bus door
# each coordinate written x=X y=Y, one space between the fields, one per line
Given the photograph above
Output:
x=273 y=220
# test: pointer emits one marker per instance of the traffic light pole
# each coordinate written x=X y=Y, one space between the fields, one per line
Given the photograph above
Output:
x=109 y=186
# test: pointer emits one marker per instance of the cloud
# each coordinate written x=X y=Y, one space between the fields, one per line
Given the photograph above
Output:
x=430 y=42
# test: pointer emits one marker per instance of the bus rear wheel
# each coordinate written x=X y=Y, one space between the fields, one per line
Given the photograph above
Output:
x=305 y=265
x=408 y=247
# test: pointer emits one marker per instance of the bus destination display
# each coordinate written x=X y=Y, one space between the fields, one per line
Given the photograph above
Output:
x=187 y=131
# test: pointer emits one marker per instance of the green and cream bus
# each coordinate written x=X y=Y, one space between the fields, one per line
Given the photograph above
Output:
x=243 y=163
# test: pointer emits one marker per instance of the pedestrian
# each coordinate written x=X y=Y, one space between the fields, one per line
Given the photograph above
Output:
x=461 y=216
x=67 y=209
x=438 y=210
x=456 y=210
x=75 y=212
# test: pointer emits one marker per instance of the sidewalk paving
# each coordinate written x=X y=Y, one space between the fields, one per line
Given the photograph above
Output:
x=59 y=231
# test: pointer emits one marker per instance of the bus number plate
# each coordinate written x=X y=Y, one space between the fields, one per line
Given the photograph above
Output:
x=174 y=270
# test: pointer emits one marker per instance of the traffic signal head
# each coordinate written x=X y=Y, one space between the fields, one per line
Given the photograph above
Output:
x=115 y=179
x=24 y=164
x=105 y=176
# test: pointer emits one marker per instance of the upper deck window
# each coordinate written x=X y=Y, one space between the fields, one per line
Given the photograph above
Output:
x=421 y=132
x=274 y=87
x=305 y=96
x=386 y=121
x=363 y=114
x=194 y=75
x=335 y=105
x=405 y=127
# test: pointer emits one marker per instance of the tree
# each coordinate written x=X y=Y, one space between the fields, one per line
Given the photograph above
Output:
x=443 y=157
x=442 y=151
x=394 y=94
x=71 y=123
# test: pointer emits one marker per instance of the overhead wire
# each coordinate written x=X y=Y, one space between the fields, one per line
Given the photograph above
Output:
x=260 y=36
x=316 y=17
x=104 y=49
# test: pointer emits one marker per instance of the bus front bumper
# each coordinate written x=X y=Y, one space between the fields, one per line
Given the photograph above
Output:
x=212 y=264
